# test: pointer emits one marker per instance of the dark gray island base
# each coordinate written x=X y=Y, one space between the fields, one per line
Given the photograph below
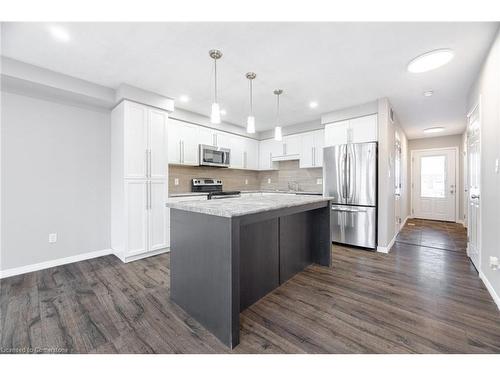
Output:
x=227 y=254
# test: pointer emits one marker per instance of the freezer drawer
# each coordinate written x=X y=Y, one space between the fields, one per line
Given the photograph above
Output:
x=354 y=225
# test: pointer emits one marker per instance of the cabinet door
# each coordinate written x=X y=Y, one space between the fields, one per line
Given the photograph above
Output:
x=159 y=234
x=265 y=154
x=363 y=129
x=174 y=141
x=237 y=146
x=206 y=136
x=251 y=154
x=137 y=216
x=336 y=133
x=189 y=144
x=158 y=162
x=307 y=150
x=291 y=144
x=319 y=143
x=223 y=139
x=136 y=140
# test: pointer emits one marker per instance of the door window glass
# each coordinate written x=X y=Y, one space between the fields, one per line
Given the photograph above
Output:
x=432 y=176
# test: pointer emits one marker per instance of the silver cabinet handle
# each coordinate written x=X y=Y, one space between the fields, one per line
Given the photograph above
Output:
x=180 y=151
x=474 y=196
x=183 y=156
x=147 y=163
x=150 y=195
x=150 y=164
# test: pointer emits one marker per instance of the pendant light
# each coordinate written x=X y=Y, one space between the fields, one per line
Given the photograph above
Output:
x=251 y=119
x=215 y=113
x=277 y=129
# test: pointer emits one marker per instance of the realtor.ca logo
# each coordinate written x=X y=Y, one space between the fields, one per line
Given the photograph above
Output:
x=33 y=350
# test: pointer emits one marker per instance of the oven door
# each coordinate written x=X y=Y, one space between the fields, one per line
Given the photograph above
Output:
x=214 y=156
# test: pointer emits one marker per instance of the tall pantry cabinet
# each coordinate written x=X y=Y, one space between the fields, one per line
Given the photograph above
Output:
x=139 y=181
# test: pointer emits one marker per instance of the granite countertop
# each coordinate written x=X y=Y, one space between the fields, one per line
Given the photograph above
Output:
x=246 y=205
x=193 y=194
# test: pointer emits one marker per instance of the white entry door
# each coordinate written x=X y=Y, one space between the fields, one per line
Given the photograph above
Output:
x=474 y=186
x=434 y=184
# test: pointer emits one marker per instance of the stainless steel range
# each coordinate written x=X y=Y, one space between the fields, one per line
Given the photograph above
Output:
x=213 y=187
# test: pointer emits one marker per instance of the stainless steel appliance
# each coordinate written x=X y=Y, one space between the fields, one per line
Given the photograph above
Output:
x=213 y=187
x=350 y=178
x=214 y=156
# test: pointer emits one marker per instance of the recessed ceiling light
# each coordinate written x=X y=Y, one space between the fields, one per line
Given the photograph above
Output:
x=223 y=112
x=313 y=104
x=59 y=33
x=428 y=93
x=184 y=98
x=430 y=60
x=437 y=129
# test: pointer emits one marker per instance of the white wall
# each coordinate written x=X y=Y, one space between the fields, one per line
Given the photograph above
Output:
x=487 y=89
x=55 y=178
x=442 y=142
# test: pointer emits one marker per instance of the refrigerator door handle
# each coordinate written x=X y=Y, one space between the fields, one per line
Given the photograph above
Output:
x=344 y=172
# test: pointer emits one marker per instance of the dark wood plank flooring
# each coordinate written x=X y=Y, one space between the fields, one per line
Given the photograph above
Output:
x=415 y=299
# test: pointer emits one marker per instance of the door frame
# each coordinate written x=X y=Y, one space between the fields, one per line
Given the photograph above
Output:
x=476 y=105
x=457 y=174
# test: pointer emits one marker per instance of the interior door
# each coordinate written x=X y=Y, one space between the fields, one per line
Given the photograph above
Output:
x=474 y=187
x=434 y=184
x=158 y=143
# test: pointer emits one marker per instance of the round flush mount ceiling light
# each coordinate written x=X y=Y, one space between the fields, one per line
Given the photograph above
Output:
x=184 y=98
x=59 y=33
x=430 y=60
x=428 y=93
x=313 y=104
x=223 y=112
x=437 y=129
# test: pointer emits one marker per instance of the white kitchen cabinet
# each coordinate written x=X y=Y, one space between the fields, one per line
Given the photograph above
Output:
x=251 y=154
x=237 y=146
x=311 y=152
x=363 y=129
x=182 y=142
x=267 y=149
x=356 y=130
x=206 y=136
x=139 y=181
x=291 y=144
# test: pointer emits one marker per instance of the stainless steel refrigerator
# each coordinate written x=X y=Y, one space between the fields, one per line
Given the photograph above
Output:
x=350 y=178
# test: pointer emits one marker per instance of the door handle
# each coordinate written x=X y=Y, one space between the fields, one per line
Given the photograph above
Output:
x=149 y=163
x=474 y=196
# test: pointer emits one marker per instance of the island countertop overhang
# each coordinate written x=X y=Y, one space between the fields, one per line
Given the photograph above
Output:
x=234 y=207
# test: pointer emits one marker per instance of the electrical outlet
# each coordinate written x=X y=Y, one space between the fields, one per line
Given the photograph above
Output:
x=319 y=181
x=268 y=180
x=494 y=263
x=52 y=237
x=176 y=181
x=246 y=181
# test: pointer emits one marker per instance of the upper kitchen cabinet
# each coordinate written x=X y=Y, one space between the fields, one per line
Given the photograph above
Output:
x=289 y=148
x=251 y=154
x=182 y=142
x=311 y=151
x=141 y=139
x=267 y=149
x=356 y=130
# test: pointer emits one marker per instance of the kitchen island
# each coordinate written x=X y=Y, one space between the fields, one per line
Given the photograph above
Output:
x=226 y=254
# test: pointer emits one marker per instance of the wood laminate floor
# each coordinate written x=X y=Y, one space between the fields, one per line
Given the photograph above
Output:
x=415 y=299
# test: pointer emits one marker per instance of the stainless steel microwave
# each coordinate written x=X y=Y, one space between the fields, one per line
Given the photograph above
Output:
x=214 y=156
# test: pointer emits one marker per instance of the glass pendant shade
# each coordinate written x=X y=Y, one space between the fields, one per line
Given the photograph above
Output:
x=215 y=114
x=251 y=124
x=277 y=133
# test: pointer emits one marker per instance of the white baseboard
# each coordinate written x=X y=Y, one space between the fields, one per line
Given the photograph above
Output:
x=404 y=222
x=385 y=250
x=53 y=263
x=127 y=259
x=488 y=285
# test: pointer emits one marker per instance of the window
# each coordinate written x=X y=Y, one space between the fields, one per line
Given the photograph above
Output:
x=432 y=176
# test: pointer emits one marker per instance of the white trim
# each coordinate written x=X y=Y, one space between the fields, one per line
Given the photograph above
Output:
x=404 y=223
x=127 y=259
x=385 y=250
x=53 y=263
x=457 y=174
x=490 y=289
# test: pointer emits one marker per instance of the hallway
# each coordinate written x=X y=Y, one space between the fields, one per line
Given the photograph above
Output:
x=434 y=234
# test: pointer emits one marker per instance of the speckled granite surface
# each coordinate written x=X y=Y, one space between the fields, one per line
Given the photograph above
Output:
x=247 y=204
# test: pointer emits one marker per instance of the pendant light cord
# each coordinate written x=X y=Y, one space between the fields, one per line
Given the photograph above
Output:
x=251 y=98
x=215 y=78
x=277 y=110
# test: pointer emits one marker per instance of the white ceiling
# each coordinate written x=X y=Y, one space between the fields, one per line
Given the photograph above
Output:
x=335 y=64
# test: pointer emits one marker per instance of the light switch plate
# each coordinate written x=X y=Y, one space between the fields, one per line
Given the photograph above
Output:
x=176 y=181
x=246 y=181
x=52 y=237
x=268 y=180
